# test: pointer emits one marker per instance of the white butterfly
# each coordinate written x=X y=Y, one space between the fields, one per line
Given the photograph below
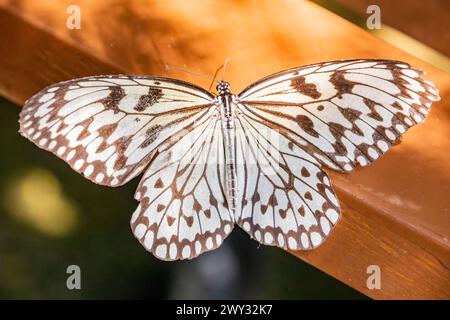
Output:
x=209 y=161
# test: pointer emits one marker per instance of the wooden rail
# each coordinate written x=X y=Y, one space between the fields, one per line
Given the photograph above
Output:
x=396 y=213
x=427 y=21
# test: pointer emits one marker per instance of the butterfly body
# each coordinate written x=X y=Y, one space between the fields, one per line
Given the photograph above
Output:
x=226 y=103
x=211 y=162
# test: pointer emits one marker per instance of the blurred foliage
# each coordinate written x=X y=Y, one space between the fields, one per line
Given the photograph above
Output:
x=52 y=217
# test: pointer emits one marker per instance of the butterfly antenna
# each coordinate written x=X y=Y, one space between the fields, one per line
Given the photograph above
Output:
x=225 y=64
x=214 y=78
x=201 y=75
x=223 y=68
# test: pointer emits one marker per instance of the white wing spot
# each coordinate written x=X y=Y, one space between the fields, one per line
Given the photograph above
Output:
x=372 y=153
x=52 y=145
x=37 y=135
x=268 y=238
x=292 y=244
x=331 y=196
x=280 y=240
x=198 y=247
x=61 y=151
x=348 y=167
x=139 y=231
x=304 y=240
x=161 y=251
x=209 y=243
x=88 y=171
x=99 y=177
x=219 y=239
x=78 y=164
x=258 y=235
x=325 y=225
x=173 y=251
x=400 y=128
x=148 y=242
x=417 y=118
x=332 y=215
x=383 y=145
x=136 y=213
x=423 y=111
x=70 y=155
x=315 y=238
x=390 y=134
x=362 y=160
x=27 y=124
x=410 y=73
x=186 y=253
x=46 y=97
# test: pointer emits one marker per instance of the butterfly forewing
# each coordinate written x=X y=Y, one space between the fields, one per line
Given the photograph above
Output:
x=108 y=127
x=345 y=112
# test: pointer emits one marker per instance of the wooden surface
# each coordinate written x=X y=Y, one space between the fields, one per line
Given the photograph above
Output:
x=427 y=21
x=396 y=213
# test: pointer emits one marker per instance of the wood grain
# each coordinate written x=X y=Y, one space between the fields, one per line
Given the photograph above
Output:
x=396 y=213
x=427 y=21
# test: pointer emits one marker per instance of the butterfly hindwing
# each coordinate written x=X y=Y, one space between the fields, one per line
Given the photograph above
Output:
x=285 y=199
x=183 y=211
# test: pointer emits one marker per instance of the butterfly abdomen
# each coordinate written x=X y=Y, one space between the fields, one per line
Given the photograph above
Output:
x=227 y=117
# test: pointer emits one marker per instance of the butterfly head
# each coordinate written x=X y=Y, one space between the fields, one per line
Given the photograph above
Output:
x=223 y=87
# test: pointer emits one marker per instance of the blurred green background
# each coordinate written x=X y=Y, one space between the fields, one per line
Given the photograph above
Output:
x=51 y=217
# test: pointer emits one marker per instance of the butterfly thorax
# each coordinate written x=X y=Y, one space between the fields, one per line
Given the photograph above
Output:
x=226 y=105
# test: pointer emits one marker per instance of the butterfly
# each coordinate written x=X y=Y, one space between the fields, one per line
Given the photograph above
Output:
x=210 y=162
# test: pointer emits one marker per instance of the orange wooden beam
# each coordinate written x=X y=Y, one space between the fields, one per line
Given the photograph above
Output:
x=395 y=212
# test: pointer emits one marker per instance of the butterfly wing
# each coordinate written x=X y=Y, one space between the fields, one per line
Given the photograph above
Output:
x=285 y=199
x=344 y=112
x=183 y=211
x=339 y=114
x=108 y=127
